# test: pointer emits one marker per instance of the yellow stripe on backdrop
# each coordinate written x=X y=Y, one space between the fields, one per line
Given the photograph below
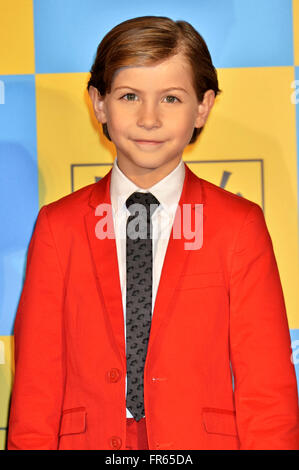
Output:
x=16 y=37
x=6 y=378
x=67 y=133
x=296 y=31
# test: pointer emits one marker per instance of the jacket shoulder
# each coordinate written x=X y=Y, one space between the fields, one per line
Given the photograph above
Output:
x=74 y=204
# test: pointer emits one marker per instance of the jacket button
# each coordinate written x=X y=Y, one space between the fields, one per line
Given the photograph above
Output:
x=115 y=442
x=113 y=375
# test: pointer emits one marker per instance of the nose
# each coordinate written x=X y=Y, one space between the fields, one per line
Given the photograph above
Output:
x=148 y=116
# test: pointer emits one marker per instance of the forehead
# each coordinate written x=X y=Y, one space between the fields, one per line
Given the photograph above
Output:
x=175 y=69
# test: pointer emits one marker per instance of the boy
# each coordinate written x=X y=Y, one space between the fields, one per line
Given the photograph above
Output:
x=126 y=342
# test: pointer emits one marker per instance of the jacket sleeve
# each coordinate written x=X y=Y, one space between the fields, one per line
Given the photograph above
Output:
x=266 y=397
x=38 y=383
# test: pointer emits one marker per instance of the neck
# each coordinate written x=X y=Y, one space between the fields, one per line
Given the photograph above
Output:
x=146 y=177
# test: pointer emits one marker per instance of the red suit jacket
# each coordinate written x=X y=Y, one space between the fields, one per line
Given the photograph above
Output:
x=219 y=311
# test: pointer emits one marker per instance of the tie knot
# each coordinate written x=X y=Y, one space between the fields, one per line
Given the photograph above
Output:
x=148 y=200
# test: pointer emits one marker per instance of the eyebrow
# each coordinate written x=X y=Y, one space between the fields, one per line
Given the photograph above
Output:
x=161 y=91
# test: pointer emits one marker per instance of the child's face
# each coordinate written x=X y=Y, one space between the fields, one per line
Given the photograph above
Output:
x=149 y=119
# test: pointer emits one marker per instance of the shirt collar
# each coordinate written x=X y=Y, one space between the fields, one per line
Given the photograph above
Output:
x=167 y=191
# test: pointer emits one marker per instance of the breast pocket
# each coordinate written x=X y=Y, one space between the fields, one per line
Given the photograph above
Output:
x=201 y=280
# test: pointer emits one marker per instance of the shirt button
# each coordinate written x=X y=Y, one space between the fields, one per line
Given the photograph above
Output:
x=113 y=375
x=115 y=442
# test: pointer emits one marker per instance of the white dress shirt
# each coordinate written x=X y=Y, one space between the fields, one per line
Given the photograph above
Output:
x=168 y=192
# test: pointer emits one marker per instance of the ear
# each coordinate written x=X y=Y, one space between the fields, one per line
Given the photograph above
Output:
x=98 y=104
x=204 y=108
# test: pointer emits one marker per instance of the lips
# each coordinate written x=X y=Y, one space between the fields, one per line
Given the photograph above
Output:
x=148 y=142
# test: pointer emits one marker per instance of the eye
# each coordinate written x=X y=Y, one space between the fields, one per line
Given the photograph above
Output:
x=172 y=99
x=129 y=95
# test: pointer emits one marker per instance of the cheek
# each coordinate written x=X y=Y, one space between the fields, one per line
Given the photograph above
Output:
x=181 y=123
x=116 y=122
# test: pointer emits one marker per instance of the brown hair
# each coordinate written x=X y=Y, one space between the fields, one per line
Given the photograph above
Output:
x=147 y=40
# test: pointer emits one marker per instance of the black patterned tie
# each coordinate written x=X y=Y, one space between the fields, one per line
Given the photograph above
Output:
x=139 y=294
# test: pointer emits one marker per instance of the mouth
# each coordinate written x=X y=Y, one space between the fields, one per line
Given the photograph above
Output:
x=148 y=142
